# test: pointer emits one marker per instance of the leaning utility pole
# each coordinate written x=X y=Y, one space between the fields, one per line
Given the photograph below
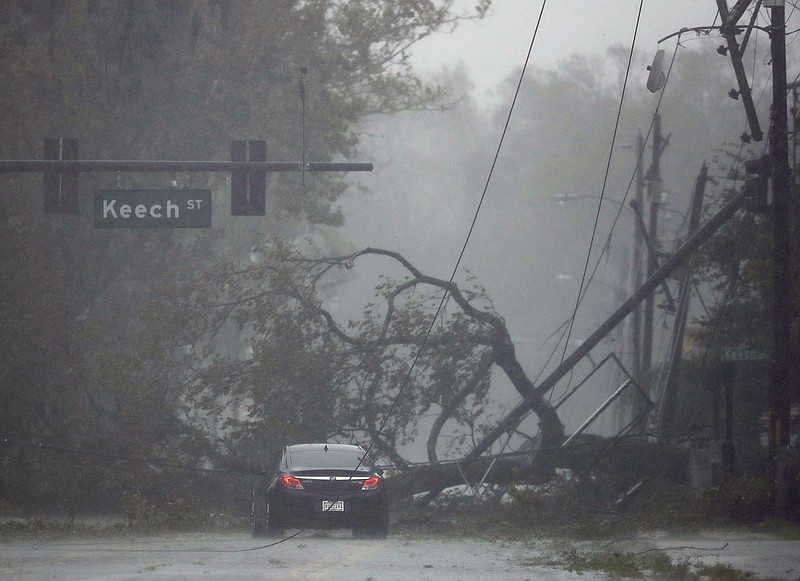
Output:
x=510 y=422
x=730 y=30
x=669 y=399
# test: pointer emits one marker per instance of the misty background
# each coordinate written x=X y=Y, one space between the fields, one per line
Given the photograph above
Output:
x=529 y=246
x=147 y=343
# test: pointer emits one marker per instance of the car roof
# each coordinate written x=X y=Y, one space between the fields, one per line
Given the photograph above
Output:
x=322 y=456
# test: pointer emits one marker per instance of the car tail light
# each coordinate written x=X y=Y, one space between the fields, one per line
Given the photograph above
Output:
x=290 y=481
x=371 y=483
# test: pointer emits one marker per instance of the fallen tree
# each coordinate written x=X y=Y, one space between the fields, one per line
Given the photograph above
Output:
x=383 y=372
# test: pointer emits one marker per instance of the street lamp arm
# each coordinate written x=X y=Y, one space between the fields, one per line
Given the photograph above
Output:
x=562 y=198
x=705 y=29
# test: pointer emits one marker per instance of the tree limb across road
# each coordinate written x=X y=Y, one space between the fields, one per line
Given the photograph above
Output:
x=394 y=366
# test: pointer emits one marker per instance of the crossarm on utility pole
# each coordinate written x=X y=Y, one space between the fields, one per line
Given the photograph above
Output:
x=729 y=19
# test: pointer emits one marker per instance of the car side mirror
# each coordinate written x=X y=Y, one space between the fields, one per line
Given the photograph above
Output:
x=379 y=471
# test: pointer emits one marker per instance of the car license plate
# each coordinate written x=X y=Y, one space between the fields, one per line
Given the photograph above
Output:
x=333 y=506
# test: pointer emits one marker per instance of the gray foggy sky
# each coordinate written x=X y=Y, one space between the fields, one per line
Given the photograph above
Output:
x=494 y=47
x=428 y=195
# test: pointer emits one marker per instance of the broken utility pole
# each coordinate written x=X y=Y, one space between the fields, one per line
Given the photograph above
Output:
x=512 y=419
x=668 y=402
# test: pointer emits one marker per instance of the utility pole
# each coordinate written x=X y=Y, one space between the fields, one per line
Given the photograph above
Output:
x=782 y=302
x=638 y=244
x=632 y=404
x=729 y=30
x=782 y=382
x=669 y=399
x=654 y=188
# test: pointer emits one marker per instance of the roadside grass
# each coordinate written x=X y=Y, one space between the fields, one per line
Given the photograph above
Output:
x=130 y=525
x=725 y=573
x=581 y=510
x=782 y=528
x=18 y=528
x=637 y=566
x=631 y=565
x=59 y=529
x=583 y=534
x=565 y=545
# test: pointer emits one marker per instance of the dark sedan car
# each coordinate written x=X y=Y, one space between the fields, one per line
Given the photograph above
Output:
x=322 y=486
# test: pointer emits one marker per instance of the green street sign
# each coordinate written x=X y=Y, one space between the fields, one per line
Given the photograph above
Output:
x=152 y=209
x=743 y=354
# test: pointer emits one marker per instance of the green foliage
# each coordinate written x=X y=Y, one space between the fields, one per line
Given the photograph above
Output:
x=557 y=502
x=312 y=376
x=620 y=564
x=785 y=529
x=737 y=264
x=724 y=573
x=103 y=330
x=667 y=506
x=577 y=505
x=744 y=500
x=15 y=529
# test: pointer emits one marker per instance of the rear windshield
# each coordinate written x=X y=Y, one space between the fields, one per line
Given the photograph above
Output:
x=338 y=459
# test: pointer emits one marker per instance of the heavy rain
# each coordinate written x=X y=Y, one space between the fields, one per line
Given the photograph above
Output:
x=536 y=259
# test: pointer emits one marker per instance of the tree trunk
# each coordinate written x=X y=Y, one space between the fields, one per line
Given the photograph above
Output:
x=506 y=358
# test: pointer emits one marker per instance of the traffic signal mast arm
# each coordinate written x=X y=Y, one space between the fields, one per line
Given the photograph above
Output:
x=99 y=166
x=248 y=167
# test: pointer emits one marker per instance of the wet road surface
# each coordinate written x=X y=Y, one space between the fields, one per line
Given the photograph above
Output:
x=309 y=556
x=337 y=556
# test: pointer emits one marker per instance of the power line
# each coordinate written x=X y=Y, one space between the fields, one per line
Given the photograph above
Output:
x=118 y=458
x=445 y=295
x=605 y=183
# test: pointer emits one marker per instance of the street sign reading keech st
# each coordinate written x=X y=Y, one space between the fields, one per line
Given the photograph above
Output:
x=248 y=168
x=743 y=354
x=152 y=209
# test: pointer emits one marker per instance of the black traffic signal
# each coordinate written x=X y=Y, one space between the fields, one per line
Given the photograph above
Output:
x=60 y=188
x=248 y=187
x=756 y=186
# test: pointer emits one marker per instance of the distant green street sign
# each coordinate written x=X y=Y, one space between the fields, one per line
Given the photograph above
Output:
x=743 y=354
x=152 y=209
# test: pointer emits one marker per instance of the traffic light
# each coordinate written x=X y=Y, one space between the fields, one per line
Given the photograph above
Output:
x=248 y=187
x=756 y=187
x=60 y=188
